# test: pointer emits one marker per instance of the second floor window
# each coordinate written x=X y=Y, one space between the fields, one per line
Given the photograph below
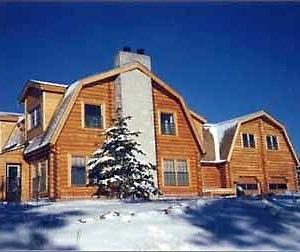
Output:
x=248 y=140
x=272 y=143
x=92 y=116
x=167 y=124
x=35 y=117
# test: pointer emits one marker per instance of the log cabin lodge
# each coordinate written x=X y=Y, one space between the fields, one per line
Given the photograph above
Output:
x=43 y=152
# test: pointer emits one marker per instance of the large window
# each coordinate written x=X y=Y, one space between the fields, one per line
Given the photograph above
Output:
x=93 y=116
x=272 y=143
x=78 y=171
x=248 y=140
x=167 y=124
x=176 y=173
x=34 y=117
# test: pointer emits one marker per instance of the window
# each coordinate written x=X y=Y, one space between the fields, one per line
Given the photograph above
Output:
x=169 y=172
x=298 y=175
x=42 y=175
x=92 y=116
x=248 y=141
x=78 y=171
x=167 y=124
x=176 y=173
x=249 y=186
x=34 y=117
x=39 y=179
x=272 y=143
x=280 y=186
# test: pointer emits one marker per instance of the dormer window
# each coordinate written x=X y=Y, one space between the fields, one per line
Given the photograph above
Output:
x=167 y=124
x=248 y=140
x=34 y=119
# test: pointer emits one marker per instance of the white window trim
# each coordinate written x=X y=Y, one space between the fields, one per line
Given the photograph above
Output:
x=13 y=165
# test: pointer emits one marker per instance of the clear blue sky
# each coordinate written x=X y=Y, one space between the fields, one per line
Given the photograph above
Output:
x=225 y=59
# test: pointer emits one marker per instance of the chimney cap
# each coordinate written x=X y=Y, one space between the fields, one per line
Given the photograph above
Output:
x=127 y=49
x=140 y=51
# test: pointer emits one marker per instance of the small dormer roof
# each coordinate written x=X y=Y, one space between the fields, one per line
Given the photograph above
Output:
x=43 y=86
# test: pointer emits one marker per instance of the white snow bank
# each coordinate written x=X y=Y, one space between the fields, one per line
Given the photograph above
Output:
x=198 y=224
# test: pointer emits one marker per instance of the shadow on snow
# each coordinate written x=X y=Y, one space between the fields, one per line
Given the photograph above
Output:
x=245 y=223
x=22 y=227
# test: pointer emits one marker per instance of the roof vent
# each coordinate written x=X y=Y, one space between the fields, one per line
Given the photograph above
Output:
x=126 y=49
x=140 y=51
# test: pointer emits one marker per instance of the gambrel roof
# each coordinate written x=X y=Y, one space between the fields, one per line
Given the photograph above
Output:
x=220 y=137
x=64 y=108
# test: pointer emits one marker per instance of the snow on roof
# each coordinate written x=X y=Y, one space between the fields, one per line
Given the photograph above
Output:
x=15 y=139
x=218 y=131
x=21 y=118
x=10 y=114
x=34 y=143
x=49 y=83
x=43 y=140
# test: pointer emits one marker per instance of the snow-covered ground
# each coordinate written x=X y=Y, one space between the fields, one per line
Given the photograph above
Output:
x=198 y=224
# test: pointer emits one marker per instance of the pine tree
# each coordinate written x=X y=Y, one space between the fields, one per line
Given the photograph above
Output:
x=117 y=166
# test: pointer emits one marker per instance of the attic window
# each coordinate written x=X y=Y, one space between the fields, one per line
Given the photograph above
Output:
x=272 y=143
x=167 y=124
x=248 y=140
x=93 y=116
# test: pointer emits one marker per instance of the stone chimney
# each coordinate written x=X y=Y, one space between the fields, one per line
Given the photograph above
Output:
x=134 y=97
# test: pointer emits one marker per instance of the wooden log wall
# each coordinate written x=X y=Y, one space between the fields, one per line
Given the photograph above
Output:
x=181 y=146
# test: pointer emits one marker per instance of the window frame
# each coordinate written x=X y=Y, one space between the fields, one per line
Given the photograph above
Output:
x=272 y=143
x=33 y=117
x=176 y=160
x=248 y=141
x=102 y=109
x=39 y=172
x=165 y=111
x=277 y=186
x=36 y=172
x=70 y=155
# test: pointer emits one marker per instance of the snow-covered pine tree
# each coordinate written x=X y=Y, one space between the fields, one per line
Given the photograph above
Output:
x=117 y=164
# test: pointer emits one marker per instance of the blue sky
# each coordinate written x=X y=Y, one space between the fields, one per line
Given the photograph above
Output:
x=225 y=59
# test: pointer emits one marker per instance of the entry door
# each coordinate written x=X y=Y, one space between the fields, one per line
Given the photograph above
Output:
x=13 y=182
